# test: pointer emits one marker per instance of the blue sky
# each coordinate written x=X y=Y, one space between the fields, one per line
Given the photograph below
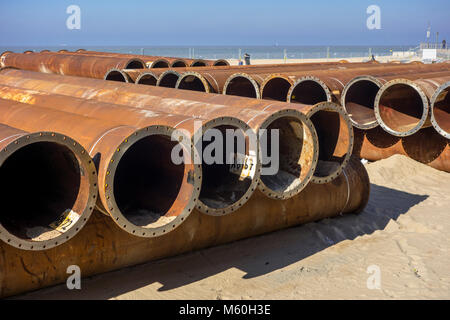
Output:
x=232 y=22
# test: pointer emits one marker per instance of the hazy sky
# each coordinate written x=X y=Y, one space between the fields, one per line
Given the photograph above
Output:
x=232 y=22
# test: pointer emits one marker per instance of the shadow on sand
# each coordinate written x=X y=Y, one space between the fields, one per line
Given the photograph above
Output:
x=255 y=256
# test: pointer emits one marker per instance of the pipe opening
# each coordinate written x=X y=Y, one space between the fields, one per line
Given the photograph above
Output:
x=334 y=135
x=219 y=63
x=148 y=185
x=168 y=80
x=192 y=82
x=308 y=92
x=135 y=64
x=294 y=158
x=222 y=185
x=41 y=185
x=179 y=64
x=241 y=86
x=147 y=79
x=401 y=107
x=276 y=89
x=116 y=75
x=441 y=110
x=359 y=102
x=160 y=64
x=199 y=63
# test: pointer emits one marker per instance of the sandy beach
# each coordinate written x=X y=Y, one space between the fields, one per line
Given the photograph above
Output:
x=354 y=59
x=404 y=233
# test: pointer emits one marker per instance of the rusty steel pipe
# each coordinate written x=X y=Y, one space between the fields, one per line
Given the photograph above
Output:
x=48 y=184
x=74 y=65
x=168 y=79
x=402 y=106
x=223 y=191
x=425 y=146
x=299 y=140
x=130 y=191
x=347 y=194
x=358 y=96
x=440 y=110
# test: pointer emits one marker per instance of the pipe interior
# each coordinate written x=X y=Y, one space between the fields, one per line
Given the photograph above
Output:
x=135 y=64
x=308 y=92
x=360 y=101
x=199 y=64
x=40 y=184
x=442 y=110
x=193 y=83
x=220 y=63
x=334 y=140
x=148 y=80
x=147 y=182
x=115 y=76
x=160 y=64
x=221 y=184
x=241 y=86
x=276 y=89
x=169 y=80
x=291 y=156
x=179 y=64
x=401 y=107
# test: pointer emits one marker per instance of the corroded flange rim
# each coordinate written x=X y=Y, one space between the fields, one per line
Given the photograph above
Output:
x=274 y=76
x=232 y=121
x=216 y=62
x=242 y=75
x=205 y=82
x=153 y=63
x=331 y=106
x=309 y=78
x=113 y=209
x=432 y=102
x=425 y=103
x=185 y=64
x=197 y=61
x=87 y=165
x=125 y=76
x=344 y=95
x=162 y=75
x=306 y=122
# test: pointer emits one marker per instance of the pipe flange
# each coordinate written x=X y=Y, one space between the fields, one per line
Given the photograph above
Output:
x=86 y=165
x=153 y=64
x=162 y=75
x=331 y=106
x=347 y=87
x=124 y=75
x=113 y=209
x=245 y=76
x=313 y=79
x=314 y=158
x=175 y=63
x=134 y=60
x=435 y=124
x=197 y=75
x=231 y=121
x=422 y=95
x=275 y=76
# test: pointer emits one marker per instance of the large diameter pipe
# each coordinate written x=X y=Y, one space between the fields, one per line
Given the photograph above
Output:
x=358 y=96
x=131 y=167
x=440 y=110
x=425 y=146
x=47 y=189
x=402 y=106
x=298 y=148
x=223 y=191
x=113 y=249
x=64 y=64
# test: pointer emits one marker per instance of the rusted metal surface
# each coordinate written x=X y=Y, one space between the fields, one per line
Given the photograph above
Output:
x=298 y=150
x=67 y=64
x=440 y=110
x=224 y=191
x=402 y=106
x=358 y=96
x=112 y=249
x=47 y=188
x=425 y=146
x=129 y=176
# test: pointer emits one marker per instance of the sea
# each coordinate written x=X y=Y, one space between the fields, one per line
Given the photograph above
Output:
x=236 y=52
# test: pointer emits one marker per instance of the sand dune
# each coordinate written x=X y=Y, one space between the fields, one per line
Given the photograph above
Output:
x=404 y=231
